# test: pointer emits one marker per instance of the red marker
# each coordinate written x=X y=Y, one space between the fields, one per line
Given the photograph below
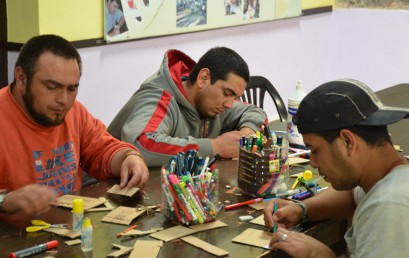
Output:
x=236 y=205
x=34 y=250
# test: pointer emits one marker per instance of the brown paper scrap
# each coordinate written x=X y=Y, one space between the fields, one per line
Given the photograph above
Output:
x=172 y=233
x=208 y=226
x=146 y=249
x=122 y=215
x=64 y=232
x=205 y=246
x=254 y=237
x=259 y=220
x=135 y=232
x=73 y=242
x=122 y=250
x=115 y=189
x=89 y=202
x=107 y=204
x=258 y=206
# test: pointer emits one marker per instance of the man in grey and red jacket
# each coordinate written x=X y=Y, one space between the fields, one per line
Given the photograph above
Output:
x=188 y=105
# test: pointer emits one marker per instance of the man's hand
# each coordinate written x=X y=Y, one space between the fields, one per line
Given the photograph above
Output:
x=227 y=144
x=134 y=172
x=287 y=215
x=299 y=245
x=27 y=202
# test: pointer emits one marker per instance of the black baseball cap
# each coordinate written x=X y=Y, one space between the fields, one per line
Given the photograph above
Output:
x=343 y=103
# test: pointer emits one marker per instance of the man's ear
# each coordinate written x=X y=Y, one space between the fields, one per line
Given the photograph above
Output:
x=21 y=79
x=348 y=139
x=203 y=77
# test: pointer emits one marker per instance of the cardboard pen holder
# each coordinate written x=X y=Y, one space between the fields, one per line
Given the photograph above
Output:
x=260 y=174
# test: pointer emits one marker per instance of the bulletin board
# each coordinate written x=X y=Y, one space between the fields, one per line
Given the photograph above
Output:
x=152 y=18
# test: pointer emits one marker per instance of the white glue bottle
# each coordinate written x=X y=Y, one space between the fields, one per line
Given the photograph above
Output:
x=77 y=214
x=293 y=136
x=86 y=236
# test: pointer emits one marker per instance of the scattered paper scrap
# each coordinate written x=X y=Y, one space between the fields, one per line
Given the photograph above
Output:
x=89 y=202
x=64 y=232
x=107 y=204
x=205 y=246
x=146 y=249
x=259 y=220
x=258 y=206
x=73 y=242
x=254 y=237
x=208 y=226
x=122 y=215
x=136 y=232
x=122 y=250
x=130 y=192
x=172 y=233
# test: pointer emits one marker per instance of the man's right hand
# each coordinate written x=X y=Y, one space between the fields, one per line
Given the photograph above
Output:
x=227 y=144
x=27 y=202
x=287 y=215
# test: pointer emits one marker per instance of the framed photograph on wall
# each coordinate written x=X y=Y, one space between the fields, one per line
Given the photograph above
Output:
x=134 y=19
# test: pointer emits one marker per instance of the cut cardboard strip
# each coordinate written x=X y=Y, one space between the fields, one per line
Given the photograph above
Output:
x=89 y=202
x=122 y=250
x=130 y=192
x=205 y=246
x=173 y=233
x=122 y=215
x=254 y=237
x=258 y=206
x=64 y=232
x=259 y=220
x=107 y=204
x=135 y=232
x=73 y=242
x=208 y=226
x=146 y=249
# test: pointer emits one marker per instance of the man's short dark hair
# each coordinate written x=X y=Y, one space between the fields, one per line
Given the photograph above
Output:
x=221 y=61
x=372 y=135
x=38 y=45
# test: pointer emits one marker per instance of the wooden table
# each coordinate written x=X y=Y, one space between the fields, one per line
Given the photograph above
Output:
x=12 y=239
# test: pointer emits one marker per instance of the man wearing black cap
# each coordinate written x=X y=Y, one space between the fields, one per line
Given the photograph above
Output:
x=345 y=126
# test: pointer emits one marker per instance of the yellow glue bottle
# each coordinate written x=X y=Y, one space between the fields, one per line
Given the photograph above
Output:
x=86 y=235
x=77 y=214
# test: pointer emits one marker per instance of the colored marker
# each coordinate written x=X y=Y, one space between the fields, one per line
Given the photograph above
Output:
x=34 y=250
x=126 y=230
x=275 y=222
x=236 y=205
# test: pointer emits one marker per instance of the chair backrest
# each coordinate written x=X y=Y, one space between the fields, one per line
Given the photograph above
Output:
x=255 y=92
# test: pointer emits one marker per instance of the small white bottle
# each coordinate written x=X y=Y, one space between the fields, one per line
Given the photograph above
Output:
x=294 y=137
x=77 y=214
x=86 y=236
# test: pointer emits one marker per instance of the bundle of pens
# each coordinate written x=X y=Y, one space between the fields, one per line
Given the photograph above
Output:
x=263 y=165
x=189 y=188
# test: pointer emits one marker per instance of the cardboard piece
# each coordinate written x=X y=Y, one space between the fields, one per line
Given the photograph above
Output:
x=89 y=202
x=205 y=246
x=146 y=249
x=64 y=232
x=173 y=233
x=122 y=215
x=208 y=226
x=254 y=237
x=259 y=220
x=135 y=232
x=122 y=250
x=73 y=242
x=130 y=192
x=107 y=204
x=258 y=206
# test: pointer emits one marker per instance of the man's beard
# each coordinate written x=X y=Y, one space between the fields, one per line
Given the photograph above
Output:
x=38 y=117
